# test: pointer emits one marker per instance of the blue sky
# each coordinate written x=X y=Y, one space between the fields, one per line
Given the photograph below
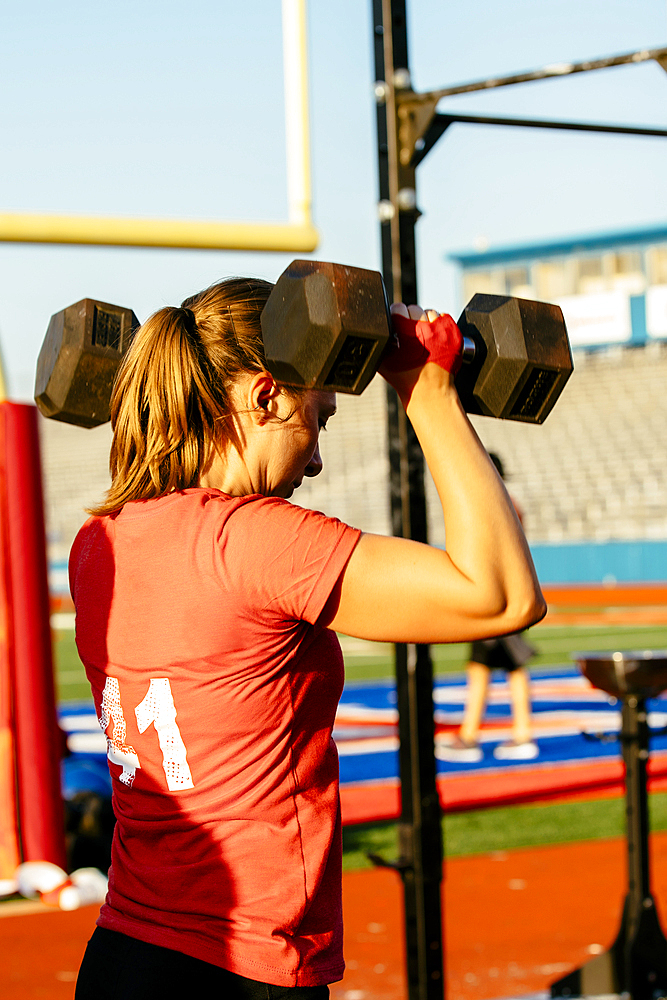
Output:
x=158 y=109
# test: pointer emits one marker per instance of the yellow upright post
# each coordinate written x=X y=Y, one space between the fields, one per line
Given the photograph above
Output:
x=297 y=235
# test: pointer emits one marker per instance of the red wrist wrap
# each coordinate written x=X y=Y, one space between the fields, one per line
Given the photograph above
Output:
x=419 y=341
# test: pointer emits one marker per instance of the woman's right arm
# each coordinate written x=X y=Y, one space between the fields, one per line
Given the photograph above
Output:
x=484 y=584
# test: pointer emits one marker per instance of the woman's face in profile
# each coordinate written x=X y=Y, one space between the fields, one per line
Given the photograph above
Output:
x=294 y=450
x=276 y=442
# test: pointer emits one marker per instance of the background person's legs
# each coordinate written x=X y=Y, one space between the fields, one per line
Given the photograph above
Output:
x=478 y=675
x=521 y=746
x=519 y=685
x=464 y=747
x=508 y=653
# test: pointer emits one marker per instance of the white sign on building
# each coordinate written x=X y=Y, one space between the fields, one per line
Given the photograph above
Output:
x=656 y=311
x=603 y=318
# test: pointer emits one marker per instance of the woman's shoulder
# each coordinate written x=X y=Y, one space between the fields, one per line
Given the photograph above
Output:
x=178 y=504
x=203 y=512
x=204 y=504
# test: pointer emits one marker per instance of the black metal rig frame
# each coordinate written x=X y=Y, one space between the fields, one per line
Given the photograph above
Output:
x=408 y=126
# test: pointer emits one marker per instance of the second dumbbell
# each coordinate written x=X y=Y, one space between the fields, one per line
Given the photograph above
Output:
x=327 y=326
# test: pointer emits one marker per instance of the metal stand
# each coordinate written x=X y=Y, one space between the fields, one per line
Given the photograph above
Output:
x=636 y=963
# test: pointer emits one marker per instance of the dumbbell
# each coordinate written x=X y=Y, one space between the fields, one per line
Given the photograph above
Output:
x=76 y=367
x=326 y=326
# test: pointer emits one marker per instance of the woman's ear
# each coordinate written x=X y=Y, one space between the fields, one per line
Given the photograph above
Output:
x=263 y=396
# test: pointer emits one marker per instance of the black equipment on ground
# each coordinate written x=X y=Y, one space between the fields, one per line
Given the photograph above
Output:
x=636 y=963
x=326 y=326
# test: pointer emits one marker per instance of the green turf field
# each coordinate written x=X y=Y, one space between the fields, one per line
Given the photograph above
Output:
x=71 y=683
x=474 y=832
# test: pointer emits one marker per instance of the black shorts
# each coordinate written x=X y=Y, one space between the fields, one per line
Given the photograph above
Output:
x=117 y=967
x=508 y=653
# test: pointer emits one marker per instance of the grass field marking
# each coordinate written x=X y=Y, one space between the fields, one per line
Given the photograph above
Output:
x=63 y=621
x=363 y=647
x=79 y=723
x=376 y=744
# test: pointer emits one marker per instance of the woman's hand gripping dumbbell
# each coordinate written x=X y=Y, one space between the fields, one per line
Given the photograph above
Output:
x=423 y=337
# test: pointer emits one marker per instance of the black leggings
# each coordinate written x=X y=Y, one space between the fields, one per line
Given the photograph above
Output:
x=117 y=967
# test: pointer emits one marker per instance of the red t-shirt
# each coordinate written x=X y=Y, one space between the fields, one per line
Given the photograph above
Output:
x=196 y=619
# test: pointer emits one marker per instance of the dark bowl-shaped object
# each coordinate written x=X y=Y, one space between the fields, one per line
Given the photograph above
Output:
x=621 y=673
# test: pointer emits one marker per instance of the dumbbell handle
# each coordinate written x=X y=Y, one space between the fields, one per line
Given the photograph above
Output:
x=469 y=348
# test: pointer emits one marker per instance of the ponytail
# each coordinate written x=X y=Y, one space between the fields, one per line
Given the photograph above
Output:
x=171 y=393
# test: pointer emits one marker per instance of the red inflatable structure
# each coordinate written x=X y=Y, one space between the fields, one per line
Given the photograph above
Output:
x=31 y=814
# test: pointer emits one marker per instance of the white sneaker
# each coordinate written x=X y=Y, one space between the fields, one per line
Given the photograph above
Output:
x=528 y=750
x=458 y=751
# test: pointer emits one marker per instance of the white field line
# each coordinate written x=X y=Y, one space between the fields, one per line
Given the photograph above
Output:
x=62 y=621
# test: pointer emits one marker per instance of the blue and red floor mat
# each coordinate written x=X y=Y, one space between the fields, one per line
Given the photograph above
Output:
x=569 y=718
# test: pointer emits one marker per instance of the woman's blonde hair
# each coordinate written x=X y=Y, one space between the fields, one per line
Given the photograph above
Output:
x=172 y=389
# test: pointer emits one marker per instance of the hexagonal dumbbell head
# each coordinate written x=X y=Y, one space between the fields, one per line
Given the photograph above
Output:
x=325 y=326
x=522 y=358
x=79 y=359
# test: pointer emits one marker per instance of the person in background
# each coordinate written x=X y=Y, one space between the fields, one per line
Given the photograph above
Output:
x=509 y=653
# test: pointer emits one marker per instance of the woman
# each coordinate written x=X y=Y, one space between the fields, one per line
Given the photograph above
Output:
x=207 y=608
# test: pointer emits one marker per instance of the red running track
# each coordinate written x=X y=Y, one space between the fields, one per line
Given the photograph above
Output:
x=515 y=921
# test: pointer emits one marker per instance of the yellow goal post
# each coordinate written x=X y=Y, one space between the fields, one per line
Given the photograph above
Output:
x=297 y=234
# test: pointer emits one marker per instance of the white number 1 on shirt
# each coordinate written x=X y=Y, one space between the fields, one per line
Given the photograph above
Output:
x=157 y=708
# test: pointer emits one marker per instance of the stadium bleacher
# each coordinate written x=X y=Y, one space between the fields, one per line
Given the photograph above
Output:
x=75 y=465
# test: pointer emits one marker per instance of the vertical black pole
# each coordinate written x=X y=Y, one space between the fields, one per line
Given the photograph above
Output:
x=634 y=739
x=641 y=949
x=419 y=828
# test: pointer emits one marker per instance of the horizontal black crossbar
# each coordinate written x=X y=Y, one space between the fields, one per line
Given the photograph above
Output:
x=441 y=122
